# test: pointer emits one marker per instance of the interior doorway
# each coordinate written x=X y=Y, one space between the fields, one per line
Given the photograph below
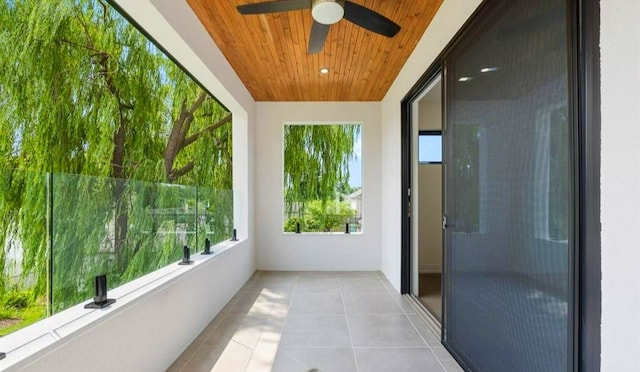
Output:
x=427 y=198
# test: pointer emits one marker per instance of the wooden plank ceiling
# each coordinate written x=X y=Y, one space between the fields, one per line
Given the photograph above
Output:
x=269 y=52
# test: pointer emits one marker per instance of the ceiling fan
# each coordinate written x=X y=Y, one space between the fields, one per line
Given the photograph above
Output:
x=325 y=13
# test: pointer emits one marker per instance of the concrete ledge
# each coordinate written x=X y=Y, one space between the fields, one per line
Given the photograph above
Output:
x=154 y=319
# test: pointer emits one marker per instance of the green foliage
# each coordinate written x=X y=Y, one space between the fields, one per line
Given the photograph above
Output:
x=343 y=189
x=17 y=299
x=291 y=224
x=20 y=309
x=8 y=313
x=25 y=316
x=87 y=99
x=316 y=160
x=316 y=171
x=330 y=216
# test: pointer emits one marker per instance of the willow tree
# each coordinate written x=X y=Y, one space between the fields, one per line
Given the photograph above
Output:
x=316 y=163
x=84 y=92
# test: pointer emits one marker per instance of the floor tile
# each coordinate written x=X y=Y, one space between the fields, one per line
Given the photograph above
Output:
x=275 y=280
x=397 y=360
x=446 y=359
x=371 y=304
x=265 y=352
x=249 y=331
x=451 y=365
x=244 y=303
x=316 y=303
x=383 y=331
x=387 y=283
x=296 y=321
x=184 y=358
x=272 y=284
x=234 y=357
x=424 y=331
x=318 y=285
x=286 y=363
x=232 y=324
x=359 y=274
x=323 y=359
x=315 y=331
x=317 y=274
x=204 y=360
x=362 y=286
x=404 y=304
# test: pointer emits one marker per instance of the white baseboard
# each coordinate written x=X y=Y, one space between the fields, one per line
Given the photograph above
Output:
x=430 y=269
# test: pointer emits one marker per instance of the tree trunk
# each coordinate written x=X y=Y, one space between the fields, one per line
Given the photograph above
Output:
x=178 y=139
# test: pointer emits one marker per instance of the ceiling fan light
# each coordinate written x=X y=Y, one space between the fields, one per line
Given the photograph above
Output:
x=327 y=12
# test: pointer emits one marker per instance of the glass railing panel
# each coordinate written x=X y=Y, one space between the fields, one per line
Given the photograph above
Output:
x=23 y=239
x=215 y=215
x=166 y=216
x=315 y=216
x=124 y=229
x=59 y=231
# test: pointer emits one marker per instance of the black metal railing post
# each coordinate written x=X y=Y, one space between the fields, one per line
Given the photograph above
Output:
x=186 y=256
x=100 y=300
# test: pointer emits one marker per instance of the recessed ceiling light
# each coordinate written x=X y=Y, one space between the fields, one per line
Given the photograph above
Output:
x=324 y=70
x=465 y=78
x=489 y=69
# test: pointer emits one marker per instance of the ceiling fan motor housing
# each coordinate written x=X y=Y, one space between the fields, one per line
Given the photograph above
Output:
x=327 y=12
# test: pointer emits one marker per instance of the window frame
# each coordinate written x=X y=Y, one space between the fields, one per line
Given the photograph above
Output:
x=282 y=180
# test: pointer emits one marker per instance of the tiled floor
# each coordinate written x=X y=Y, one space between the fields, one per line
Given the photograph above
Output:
x=316 y=321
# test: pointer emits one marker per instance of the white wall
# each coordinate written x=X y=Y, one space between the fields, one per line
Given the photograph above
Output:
x=448 y=20
x=151 y=332
x=428 y=193
x=430 y=218
x=620 y=181
x=278 y=251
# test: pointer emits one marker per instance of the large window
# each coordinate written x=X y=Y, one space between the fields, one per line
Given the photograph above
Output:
x=112 y=158
x=322 y=178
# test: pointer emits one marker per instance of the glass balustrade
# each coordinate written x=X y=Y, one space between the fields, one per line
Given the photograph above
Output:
x=58 y=231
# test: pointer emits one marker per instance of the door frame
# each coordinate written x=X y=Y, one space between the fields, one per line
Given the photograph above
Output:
x=584 y=100
x=406 y=129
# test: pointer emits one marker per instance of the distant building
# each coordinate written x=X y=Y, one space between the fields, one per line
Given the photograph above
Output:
x=355 y=202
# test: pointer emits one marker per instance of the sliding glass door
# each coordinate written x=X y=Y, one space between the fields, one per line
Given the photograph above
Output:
x=508 y=200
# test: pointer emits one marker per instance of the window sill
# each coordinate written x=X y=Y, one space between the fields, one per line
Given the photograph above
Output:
x=44 y=333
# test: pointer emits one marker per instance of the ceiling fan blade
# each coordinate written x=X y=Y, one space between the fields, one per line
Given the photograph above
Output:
x=318 y=36
x=274 y=6
x=372 y=21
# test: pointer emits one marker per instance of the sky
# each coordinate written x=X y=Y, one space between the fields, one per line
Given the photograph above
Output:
x=355 y=164
x=430 y=148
